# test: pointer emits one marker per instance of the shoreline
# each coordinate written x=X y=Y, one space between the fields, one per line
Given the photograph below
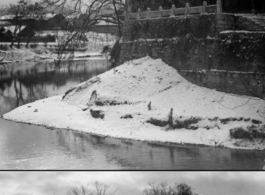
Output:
x=42 y=53
x=169 y=144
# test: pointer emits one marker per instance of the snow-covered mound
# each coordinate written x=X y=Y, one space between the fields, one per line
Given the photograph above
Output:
x=146 y=99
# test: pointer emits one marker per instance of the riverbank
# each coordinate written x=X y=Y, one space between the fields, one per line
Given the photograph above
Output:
x=15 y=54
x=147 y=100
x=42 y=53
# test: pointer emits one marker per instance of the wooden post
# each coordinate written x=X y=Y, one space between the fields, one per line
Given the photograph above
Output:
x=172 y=12
x=187 y=9
x=160 y=11
x=138 y=14
x=219 y=6
x=204 y=4
x=148 y=13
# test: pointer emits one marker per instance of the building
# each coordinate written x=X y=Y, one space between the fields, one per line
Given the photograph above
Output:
x=106 y=28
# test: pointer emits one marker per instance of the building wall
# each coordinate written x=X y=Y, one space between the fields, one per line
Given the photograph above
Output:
x=107 y=29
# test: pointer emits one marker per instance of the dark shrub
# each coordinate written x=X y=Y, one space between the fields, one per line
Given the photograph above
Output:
x=240 y=133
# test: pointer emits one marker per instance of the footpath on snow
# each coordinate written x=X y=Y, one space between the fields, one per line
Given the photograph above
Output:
x=147 y=100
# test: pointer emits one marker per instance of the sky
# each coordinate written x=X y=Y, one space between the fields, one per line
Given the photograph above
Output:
x=6 y=2
x=131 y=183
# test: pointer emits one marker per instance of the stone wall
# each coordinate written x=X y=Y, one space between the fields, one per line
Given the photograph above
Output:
x=241 y=83
x=170 y=27
x=195 y=43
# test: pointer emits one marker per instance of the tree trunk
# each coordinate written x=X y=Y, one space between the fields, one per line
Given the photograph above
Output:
x=28 y=39
x=18 y=38
x=116 y=12
x=13 y=39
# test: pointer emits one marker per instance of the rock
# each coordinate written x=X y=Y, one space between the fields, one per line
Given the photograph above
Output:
x=127 y=116
x=97 y=113
x=36 y=110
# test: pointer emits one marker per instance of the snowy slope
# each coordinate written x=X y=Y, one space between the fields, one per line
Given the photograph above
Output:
x=146 y=99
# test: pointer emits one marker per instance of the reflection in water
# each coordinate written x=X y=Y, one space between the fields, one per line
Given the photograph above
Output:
x=32 y=147
x=35 y=147
x=28 y=81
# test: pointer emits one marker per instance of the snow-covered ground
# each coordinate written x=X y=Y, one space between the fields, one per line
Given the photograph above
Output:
x=26 y=54
x=44 y=53
x=147 y=100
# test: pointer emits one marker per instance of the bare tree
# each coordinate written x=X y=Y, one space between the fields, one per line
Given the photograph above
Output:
x=159 y=189
x=82 y=16
x=24 y=14
x=165 y=189
x=97 y=189
x=3 y=10
x=33 y=11
x=183 y=189
x=18 y=11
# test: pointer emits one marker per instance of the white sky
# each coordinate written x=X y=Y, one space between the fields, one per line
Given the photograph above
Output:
x=7 y=2
x=131 y=183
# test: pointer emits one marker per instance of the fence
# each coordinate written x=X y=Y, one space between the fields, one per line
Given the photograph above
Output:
x=176 y=11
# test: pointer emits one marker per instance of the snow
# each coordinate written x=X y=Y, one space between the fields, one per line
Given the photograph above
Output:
x=43 y=53
x=123 y=95
x=26 y=54
x=158 y=40
x=241 y=31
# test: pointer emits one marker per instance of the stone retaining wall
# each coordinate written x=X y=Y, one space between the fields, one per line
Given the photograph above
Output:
x=241 y=83
x=195 y=43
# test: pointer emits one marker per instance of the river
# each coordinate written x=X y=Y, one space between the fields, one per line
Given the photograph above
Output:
x=25 y=146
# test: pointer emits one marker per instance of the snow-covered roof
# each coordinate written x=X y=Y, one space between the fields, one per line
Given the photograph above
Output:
x=72 y=16
x=4 y=23
x=12 y=28
x=103 y=23
x=48 y=16
x=7 y=17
